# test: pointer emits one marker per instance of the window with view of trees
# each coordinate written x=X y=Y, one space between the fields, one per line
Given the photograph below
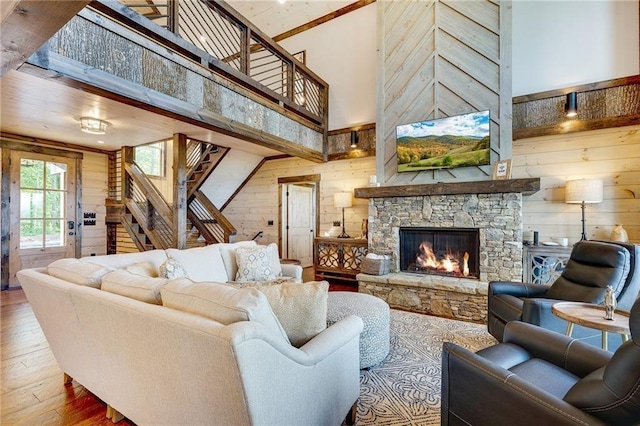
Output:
x=151 y=158
x=42 y=203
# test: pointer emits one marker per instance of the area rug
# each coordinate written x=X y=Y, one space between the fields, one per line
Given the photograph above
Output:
x=404 y=389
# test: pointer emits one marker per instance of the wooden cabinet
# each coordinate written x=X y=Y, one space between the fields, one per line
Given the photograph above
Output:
x=543 y=264
x=338 y=257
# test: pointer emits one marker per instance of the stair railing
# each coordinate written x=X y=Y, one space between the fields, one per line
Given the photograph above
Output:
x=148 y=207
x=212 y=224
x=217 y=29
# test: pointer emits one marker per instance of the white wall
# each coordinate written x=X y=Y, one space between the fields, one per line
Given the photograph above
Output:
x=557 y=44
x=343 y=53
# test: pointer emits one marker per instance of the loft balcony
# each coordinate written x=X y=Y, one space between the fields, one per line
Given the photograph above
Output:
x=205 y=65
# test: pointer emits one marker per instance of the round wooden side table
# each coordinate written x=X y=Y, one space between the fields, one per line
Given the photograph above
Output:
x=592 y=316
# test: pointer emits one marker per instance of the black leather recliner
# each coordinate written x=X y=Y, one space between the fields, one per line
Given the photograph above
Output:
x=540 y=377
x=591 y=267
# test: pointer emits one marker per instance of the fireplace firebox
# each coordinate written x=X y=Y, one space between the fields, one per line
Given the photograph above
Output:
x=452 y=252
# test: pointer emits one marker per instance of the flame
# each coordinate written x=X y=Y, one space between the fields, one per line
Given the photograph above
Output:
x=427 y=259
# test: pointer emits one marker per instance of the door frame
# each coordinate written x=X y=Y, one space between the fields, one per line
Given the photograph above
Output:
x=314 y=179
x=8 y=146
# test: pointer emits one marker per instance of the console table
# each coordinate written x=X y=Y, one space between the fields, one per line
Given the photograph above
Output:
x=338 y=257
x=543 y=264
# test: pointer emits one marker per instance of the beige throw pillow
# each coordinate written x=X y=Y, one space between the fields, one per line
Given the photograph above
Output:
x=256 y=263
x=78 y=271
x=221 y=303
x=300 y=308
x=139 y=287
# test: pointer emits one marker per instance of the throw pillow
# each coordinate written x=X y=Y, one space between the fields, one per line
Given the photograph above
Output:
x=300 y=308
x=171 y=269
x=228 y=254
x=254 y=264
x=78 y=271
x=144 y=269
x=125 y=283
x=221 y=303
x=201 y=263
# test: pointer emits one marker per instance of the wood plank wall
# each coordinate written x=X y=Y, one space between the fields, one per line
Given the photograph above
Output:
x=609 y=154
x=257 y=203
x=440 y=58
x=94 y=192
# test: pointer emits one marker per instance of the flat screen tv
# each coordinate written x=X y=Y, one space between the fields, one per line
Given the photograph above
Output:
x=443 y=143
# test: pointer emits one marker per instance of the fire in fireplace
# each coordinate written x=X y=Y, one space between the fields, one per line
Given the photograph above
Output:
x=450 y=252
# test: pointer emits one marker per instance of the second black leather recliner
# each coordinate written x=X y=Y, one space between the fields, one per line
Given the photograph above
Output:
x=593 y=265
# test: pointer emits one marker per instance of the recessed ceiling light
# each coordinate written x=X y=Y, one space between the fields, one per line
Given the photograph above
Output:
x=101 y=142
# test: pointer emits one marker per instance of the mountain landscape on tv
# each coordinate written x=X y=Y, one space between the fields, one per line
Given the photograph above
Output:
x=459 y=141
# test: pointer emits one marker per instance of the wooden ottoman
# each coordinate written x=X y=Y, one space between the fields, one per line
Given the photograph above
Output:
x=374 y=340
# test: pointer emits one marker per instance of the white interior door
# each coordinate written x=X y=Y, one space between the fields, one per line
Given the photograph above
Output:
x=42 y=210
x=300 y=223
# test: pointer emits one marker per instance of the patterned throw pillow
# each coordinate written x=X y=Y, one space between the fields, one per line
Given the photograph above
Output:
x=172 y=269
x=254 y=264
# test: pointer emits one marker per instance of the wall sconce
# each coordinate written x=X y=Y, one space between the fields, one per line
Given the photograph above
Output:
x=583 y=191
x=571 y=104
x=354 y=139
x=95 y=126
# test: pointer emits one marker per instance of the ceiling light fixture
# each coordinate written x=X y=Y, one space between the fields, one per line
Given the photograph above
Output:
x=95 y=126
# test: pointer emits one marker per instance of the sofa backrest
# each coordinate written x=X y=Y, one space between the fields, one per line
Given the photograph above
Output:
x=592 y=267
x=119 y=261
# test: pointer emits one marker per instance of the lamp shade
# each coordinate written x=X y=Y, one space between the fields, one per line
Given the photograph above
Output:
x=342 y=199
x=588 y=191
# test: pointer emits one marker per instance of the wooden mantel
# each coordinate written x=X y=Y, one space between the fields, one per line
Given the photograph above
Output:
x=526 y=186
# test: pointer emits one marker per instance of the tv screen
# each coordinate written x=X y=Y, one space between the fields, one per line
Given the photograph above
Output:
x=442 y=143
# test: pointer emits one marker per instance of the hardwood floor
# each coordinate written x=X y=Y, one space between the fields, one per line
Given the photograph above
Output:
x=33 y=392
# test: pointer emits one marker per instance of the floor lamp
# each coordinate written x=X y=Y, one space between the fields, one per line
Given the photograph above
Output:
x=342 y=200
x=584 y=191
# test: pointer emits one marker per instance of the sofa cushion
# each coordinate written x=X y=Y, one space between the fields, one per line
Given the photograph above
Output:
x=139 y=287
x=172 y=268
x=256 y=263
x=221 y=303
x=119 y=261
x=202 y=263
x=78 y=271
x=144 y=269
x=228 y=254
x=300 y=308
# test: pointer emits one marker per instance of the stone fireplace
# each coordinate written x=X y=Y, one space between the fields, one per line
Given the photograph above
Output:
x=492 y=210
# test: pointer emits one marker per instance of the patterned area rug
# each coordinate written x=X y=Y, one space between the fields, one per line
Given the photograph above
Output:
x=404 y=389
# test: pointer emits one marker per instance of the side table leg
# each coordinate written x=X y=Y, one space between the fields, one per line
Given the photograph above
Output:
x=605 y=344
x=625 y=337
x=569 y=328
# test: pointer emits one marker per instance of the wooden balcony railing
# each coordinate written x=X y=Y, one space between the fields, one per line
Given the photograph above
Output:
x=227 y=43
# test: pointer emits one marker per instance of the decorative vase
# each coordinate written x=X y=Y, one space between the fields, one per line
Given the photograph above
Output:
x=619 y=234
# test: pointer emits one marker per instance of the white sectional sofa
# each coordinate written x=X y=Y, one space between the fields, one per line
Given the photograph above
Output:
x=216 y=356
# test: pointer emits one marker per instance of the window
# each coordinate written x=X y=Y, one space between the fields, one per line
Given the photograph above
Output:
x=151 y=158
x=42 y=203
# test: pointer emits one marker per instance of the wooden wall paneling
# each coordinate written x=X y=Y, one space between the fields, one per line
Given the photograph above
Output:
x=258 y=201
x=441 y=58
x=94 y=193
x=611 y=154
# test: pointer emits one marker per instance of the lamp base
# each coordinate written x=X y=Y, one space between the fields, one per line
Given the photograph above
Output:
x=343 y=235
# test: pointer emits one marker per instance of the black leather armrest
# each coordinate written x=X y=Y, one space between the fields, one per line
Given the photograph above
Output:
x=570 y=354
x=478 y=392
x=517 y=289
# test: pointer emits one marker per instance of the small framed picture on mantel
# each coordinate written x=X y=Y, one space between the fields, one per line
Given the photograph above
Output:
x=502 y=169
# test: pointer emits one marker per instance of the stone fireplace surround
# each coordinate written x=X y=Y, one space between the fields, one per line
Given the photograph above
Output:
x=494 y=207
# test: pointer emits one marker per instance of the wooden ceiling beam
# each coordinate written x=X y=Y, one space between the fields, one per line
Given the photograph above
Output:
x=323 y=19
x=29 y=24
